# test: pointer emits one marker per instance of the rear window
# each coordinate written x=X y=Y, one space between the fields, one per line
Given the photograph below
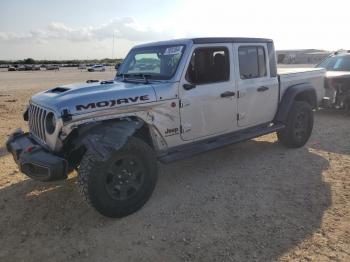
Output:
x=252 y=62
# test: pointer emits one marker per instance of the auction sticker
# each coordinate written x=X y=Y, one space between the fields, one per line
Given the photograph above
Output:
x=174 y=50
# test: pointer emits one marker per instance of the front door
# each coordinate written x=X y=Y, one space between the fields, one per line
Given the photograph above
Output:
x=208 y=93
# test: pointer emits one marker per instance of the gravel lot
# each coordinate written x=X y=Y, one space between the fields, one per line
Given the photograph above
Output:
x=255 y=201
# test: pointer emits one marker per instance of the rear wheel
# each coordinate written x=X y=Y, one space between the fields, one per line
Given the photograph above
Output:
x=298 y=127
x=121 y=184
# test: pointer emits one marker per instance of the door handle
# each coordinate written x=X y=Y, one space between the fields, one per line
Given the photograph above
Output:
x=188 y=86
x=262 y=88
x=228 y=94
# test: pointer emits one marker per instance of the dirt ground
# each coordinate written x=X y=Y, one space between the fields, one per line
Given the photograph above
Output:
x=255 y=201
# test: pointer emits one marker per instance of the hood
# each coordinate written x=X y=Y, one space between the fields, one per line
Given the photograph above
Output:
x=337 y=74
x=337 y=79
x=88 y=97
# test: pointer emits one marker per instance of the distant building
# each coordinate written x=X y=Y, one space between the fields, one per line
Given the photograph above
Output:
x=301 y=56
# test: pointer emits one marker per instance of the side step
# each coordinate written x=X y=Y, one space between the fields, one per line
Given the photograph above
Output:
x=195 y=148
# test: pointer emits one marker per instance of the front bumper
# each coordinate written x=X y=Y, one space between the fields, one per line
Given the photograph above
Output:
x=33 y=160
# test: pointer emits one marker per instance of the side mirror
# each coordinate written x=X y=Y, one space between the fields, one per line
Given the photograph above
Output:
x=117 y=66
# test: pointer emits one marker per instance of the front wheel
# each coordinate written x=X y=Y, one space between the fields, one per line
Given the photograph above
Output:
x=122 y=184
x=299 y=125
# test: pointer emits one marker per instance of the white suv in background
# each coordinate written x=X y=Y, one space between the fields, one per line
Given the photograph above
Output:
x=97 y=68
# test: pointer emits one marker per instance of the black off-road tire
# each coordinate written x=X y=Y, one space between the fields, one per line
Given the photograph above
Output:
x=299 y=125
x=94 y=174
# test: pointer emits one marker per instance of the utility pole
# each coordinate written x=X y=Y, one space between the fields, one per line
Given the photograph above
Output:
x=113 y=46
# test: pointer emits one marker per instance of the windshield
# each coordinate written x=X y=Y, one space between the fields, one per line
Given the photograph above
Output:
x=156 y=62
x=336 y=63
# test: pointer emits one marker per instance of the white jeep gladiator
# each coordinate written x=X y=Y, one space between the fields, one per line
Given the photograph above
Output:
x=169 y=100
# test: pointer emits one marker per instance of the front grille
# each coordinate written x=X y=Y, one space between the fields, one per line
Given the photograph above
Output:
x=36 y=120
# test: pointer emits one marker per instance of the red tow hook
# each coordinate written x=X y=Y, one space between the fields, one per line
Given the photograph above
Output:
x=29 y=149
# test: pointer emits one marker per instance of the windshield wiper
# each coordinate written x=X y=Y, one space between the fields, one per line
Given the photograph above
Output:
x=127 y=77
x=145 y=77
x=123 y=76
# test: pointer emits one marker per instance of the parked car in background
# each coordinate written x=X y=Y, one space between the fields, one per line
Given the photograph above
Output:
x=337 y=83
x=24 y=68
x=97 y=68
x=36 y=67
x=28 y=67
x=82 y=66
x=52 y=67
x=21 y=68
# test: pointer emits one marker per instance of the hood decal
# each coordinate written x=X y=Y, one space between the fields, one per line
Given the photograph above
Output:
x=112 y=103
x=84 y=98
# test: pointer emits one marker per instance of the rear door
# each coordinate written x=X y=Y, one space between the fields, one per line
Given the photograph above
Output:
x=208 y=92
x=258 y=90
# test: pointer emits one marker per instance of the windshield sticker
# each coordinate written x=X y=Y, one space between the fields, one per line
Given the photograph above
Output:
x=174 y=50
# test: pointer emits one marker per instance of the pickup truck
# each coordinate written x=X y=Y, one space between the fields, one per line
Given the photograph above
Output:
x=168 y=101
x=337 y=83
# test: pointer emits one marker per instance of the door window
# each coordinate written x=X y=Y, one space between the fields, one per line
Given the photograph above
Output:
x=209 y=65
x=252 y=62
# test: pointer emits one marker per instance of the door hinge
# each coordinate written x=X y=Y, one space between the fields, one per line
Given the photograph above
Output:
x=185 y=128
x=241 y=116
x=241 y=94
x=183 y=103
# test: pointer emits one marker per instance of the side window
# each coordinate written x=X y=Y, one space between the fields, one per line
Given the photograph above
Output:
x=252 y=62
x=209 y=65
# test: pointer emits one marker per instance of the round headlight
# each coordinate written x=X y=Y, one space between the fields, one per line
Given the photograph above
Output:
x=50 y=123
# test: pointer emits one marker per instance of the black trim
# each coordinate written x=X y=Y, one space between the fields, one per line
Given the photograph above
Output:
x=66 y=115
x=289 y=97
x=33 y=160
x=279 y=90
x=189 y=150
x=210 y=40
x=272 y=59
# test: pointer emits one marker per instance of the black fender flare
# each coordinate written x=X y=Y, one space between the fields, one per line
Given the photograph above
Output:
x=300 y=92
x=104 y=136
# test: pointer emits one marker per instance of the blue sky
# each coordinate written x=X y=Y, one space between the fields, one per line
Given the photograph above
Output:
x=84 y=28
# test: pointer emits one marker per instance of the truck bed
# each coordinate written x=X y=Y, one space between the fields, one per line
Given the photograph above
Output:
x=293 y=76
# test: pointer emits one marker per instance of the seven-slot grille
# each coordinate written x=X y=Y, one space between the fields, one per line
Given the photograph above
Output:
x=36 y=120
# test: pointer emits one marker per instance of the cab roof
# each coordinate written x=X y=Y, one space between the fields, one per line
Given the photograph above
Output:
x=208 y=40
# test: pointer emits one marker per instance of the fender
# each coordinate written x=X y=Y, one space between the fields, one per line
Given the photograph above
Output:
x=300 y=92
x=102 y=136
